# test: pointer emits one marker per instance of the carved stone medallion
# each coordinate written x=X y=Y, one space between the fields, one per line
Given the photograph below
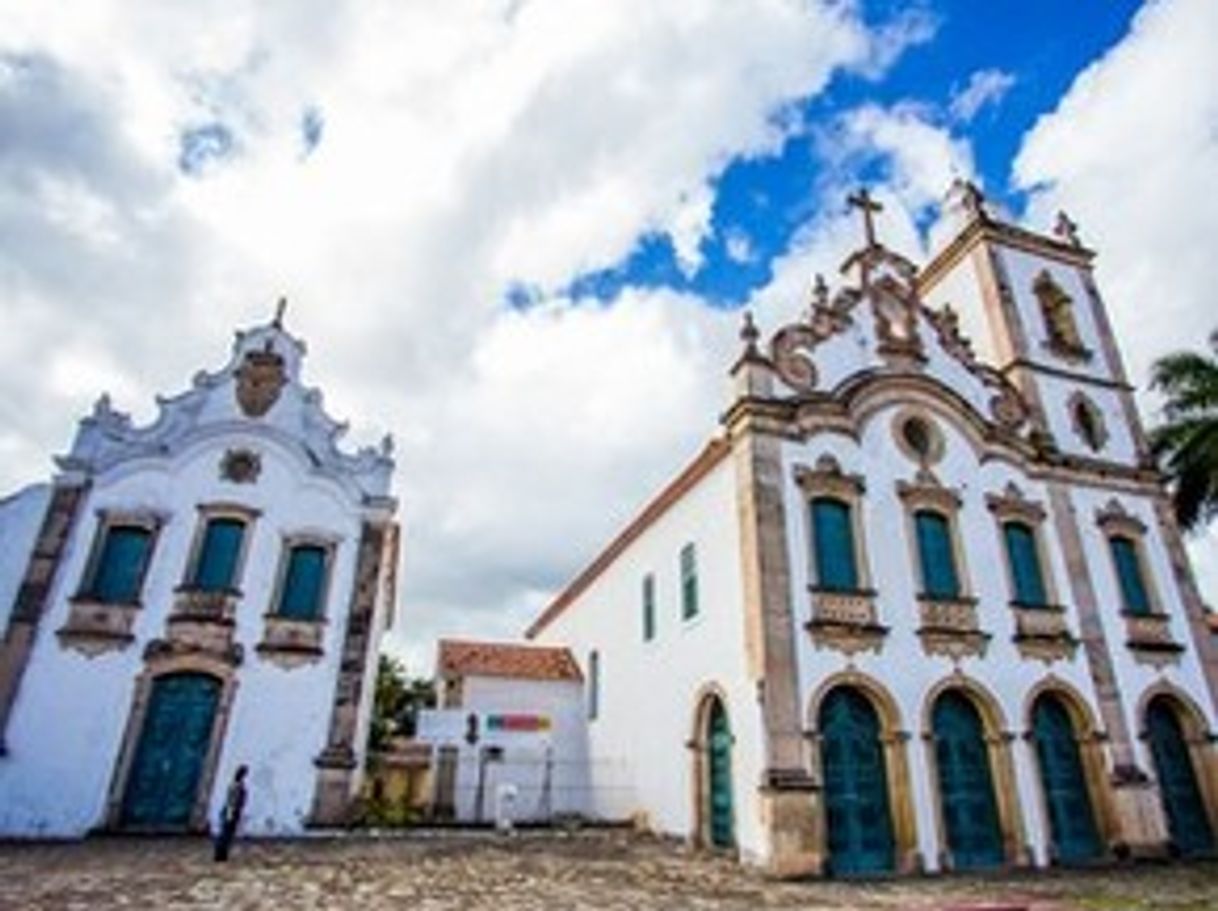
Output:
x=260 y=378
x=241 y=466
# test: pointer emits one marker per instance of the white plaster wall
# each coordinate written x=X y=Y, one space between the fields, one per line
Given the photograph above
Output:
x=960 y=287
x=524 y=752
x=648 y=694
x=20 y=519
x=901 y=667
x=66 y=728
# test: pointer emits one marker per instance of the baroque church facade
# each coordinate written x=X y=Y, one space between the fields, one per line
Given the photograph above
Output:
x=183 y=598
x=922 y=603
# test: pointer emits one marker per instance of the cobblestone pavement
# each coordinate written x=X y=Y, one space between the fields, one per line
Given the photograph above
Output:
x=589 y=870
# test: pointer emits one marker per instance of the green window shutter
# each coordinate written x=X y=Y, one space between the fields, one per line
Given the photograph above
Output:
x=833 y=540
x=689 y=582
x=120 y=565
x=303 y=583
x=217 y=564
x=649 y=607
x=1025 y=564
x=594 y=685
x=939 y=578
x=1129 y=574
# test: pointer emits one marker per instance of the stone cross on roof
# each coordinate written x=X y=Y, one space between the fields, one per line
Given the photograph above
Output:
x=862 y=201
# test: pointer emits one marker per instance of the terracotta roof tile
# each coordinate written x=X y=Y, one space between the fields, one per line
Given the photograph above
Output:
x=459 y=658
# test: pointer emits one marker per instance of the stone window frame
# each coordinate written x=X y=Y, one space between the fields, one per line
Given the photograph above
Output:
x=1148 y=635
x=843 y=620
x=936 y=443
x=1045 y=285
x=94 y=626
x=1040 y=629
x=293 y=641
x=206 y=512
x=948 y=626
x=1092 y=429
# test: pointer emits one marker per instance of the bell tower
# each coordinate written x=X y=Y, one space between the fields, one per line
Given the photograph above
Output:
x=1030 y=303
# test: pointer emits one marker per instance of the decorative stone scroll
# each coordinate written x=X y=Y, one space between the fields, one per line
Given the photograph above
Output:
x=260 y=379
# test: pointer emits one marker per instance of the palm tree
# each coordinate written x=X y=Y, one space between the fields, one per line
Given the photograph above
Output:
x=1186 y=445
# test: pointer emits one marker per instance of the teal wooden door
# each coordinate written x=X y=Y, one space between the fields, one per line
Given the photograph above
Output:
x=966 y=787
x=164 y=780
x=720 y=777
x=1072 y=830
x=1186 y=817
x=855 y=785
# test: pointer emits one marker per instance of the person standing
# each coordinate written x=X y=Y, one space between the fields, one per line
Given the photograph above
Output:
x=230 y=814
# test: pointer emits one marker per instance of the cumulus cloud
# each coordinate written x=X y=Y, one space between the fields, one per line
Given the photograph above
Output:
x=984 y=87
x=398 y=170
x=1132 y=154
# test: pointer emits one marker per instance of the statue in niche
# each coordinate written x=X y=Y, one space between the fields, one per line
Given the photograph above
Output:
x=1058 y=311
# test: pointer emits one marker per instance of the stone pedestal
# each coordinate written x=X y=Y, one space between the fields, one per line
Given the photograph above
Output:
x=1139 y=817
x=790 y=816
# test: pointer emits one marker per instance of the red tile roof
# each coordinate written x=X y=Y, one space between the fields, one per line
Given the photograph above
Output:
x=505 y=659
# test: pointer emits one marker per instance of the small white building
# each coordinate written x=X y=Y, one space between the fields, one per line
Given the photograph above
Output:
x=510 y=720
x=923 y=603
x=187 y=597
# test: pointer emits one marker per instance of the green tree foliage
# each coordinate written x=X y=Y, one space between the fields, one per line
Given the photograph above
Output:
x=396 y=702
x=1186 y=444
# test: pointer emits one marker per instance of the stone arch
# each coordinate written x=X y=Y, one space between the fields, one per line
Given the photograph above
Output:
x=1090 y=739
x=165 y=664
x=894 y=739
x=998 y=738
x=707 y=697
x=1198 y=736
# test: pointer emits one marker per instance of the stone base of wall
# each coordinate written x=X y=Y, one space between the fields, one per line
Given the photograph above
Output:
x=1140 y=821
x=789 y=819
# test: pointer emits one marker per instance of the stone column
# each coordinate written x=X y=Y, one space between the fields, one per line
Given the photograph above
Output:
x=337 y=764
x=57 y=523
x=1139 y=812
x=789 y=799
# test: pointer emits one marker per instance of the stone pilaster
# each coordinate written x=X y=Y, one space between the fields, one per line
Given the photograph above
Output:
x=32 y=596
x=1139 y=814
x=337 y=764
x=789 y=799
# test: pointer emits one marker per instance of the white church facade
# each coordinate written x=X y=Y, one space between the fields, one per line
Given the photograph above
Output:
x=204 y=592
x=920 y=605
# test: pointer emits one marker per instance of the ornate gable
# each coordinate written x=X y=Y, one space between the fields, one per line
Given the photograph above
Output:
x=259 y=391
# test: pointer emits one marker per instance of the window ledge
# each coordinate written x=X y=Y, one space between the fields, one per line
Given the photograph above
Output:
x=950 y=628
x=205 y=605
x=94 y=627
x=1149 y=639
x=845 y=621
x=291 y=642
x=1041 y=632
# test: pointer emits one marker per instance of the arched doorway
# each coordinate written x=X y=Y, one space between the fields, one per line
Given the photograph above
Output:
x=175 y=737
x=858 y=817
x=1073 y=833
x=966 y=784
x=719 y=776
x=1187 y=820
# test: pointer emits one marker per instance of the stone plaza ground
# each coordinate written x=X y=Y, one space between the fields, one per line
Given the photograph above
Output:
x=601 y=870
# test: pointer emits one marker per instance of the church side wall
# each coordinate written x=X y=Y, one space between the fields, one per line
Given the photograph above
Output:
x=20 y=517
x=72 y=711
x=902 y=667
x=641 y=763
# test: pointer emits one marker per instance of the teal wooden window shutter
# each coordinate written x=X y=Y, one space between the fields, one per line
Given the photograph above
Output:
x=1129 y=574
x=594 y=685
x=120 y=565
x=1025 y=565
x=689 y=582
x=217 y=563
x=303 y=583
x=833 y=541
x=939 y=578
x=649 y=607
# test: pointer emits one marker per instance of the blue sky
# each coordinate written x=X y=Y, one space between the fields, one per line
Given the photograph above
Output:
x=766 y=199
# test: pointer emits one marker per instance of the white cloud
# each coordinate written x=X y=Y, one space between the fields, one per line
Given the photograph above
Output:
x=465 y=147
x=983 y=87
x=1131 y=153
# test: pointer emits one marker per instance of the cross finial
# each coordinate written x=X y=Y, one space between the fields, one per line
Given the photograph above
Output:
x=749 y=334
x=820 y=291
x=862 y=201
x=281 y=307
x=1066 y=229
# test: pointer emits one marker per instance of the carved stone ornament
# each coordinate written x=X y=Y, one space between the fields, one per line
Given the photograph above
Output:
x=1150 y=640
x=241 y=466
x=950 y=628
x=260 y=379
x=1008 y=408
x=846 y=622
x=791 y=352
x=1041 y=633
x=947 y=325
x=896 y=322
